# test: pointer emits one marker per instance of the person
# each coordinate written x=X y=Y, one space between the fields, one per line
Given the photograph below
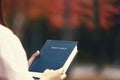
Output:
x=13 y=60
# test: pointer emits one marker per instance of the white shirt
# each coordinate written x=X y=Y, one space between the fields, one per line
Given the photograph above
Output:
x=13 y=60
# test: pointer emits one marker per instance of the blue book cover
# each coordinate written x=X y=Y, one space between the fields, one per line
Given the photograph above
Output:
x=54 y=55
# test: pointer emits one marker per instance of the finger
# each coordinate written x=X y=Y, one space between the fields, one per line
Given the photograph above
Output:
x=36 y=54
x=63 y=76
x=33 y=57
x=46 y=70
x=60 y=71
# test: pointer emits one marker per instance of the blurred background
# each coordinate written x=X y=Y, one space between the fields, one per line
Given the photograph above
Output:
x=95 y=24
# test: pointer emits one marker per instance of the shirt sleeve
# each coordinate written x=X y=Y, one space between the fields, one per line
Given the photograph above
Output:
x=13 y=61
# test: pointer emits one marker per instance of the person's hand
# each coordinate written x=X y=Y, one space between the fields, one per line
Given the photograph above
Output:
x=33 y=57
x=48 y=74
x=53 y=74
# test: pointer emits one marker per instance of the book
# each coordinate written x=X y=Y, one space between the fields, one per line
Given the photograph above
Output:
x=55 y=54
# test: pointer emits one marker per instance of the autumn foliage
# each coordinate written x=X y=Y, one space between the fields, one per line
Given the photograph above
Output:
x=78 y=11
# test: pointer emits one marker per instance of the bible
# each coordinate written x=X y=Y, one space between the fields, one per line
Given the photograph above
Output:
x=55 y=54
